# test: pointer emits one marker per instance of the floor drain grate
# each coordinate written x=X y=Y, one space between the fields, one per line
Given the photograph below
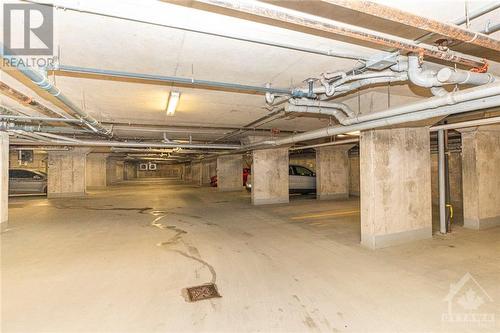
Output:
x=202 y=292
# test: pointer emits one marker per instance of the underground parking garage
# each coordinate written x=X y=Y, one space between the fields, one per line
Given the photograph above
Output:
x=242 y=166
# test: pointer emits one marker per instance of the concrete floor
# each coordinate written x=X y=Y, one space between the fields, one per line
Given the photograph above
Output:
x=118 y=260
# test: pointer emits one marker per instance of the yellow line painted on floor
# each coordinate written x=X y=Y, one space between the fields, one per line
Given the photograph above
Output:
x=326 y=214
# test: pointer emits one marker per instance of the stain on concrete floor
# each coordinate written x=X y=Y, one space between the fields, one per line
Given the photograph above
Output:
x=84 y=270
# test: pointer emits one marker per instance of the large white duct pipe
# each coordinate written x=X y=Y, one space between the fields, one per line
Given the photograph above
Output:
x=89 y=143
x=429 y=78
x=449 y=75
x=452 y=98
x=467 y=106
x=442 y=99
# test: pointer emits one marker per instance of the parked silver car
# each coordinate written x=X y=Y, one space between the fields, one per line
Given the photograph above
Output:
x=300 y=180
x=24 y=181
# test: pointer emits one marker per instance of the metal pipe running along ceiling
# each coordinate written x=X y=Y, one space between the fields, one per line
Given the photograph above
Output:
x=43 y=83
x=89 y=143
x=188 y=82
x=309 y=21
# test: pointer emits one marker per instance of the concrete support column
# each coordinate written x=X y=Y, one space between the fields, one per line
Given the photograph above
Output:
x=130 y=170
x=205 y=172
x=182 y=170
x=481 y=177
x=4 y=180
x=395 y=171
x=332 y=172
x=230 y=173
x=96 y=170
x=188 y=174
x=114 y=170
x=66 y=173
x=196 y=173
x=120 y=170
x=270 y=176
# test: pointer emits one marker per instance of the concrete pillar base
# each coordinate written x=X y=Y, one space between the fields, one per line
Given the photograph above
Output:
x=258 y=202
x=483 y=223
x=337 y=196
x=381 y=241
x=229 y=189
x=66 y=195
x=4 y=226
x=96 y=187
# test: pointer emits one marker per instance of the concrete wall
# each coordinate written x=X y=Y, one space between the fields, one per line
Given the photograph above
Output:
x=270 y=176
x=481 y=177
x=395 y=186
x=96 y=170
x=66 y=173
x=172 y=171
x=354 y=186
x=39 y=161
x=4 y=180
x=455 y=173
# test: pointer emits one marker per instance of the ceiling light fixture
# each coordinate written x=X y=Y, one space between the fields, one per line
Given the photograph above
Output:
x=173 y=100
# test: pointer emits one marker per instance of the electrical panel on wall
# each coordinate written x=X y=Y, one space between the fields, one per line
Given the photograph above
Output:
x=25 y=157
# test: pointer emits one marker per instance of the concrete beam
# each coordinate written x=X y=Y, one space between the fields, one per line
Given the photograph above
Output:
x=4 y=180
x=395 y=180
x=270 y=180
x=332 y=172
x=66 y=173
x=230 y=172
x=481 y=177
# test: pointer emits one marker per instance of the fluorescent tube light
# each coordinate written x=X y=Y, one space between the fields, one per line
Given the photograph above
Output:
x=173 y=100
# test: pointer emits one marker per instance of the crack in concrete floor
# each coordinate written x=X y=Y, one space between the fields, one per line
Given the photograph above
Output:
x=175 y=239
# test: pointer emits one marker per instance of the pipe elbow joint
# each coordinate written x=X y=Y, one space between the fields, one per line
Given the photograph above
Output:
x=329 y=88
x=419 y=76
x=269 y=96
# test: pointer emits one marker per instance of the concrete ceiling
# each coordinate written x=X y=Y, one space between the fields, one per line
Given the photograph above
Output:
x=95 y=41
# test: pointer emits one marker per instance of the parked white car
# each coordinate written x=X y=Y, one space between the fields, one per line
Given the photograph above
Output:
x=300 y=180
x=25 y=181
